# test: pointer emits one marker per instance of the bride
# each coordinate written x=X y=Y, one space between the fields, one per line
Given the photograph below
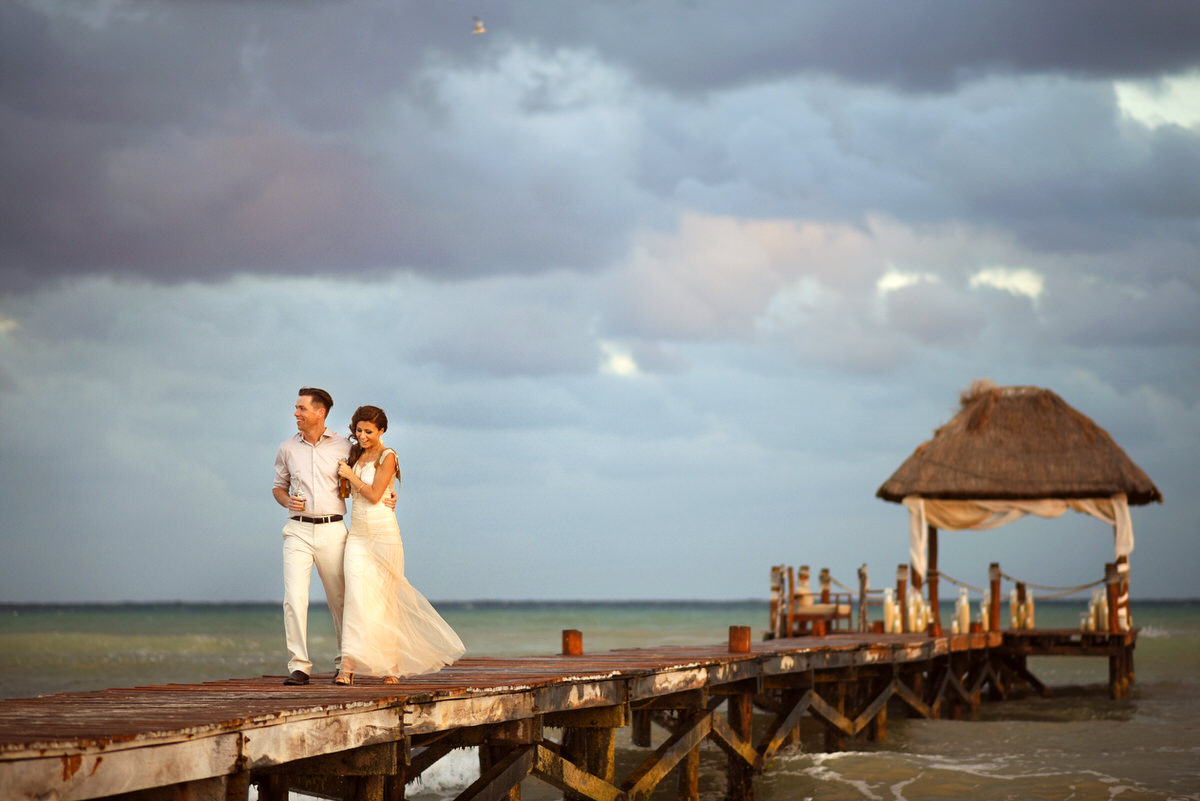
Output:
x=388 y=628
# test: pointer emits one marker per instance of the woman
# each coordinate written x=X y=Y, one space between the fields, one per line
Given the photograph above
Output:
x=388 y=628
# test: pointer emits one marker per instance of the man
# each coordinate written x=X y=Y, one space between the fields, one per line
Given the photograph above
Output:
x=306 y=485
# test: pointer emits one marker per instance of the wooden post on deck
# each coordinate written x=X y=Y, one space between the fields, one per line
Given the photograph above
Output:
x=864 y=585
x=1112 y=587
x=821 y=627
x=778 y=599
x=1123 y=599
x=739 y=639
x=791 y=602
x=994 y=600
x=901 y=592
x=935 y=626
x=572 y=642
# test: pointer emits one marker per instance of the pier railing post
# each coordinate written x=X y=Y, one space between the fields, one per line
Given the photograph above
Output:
x=994 y=598
x=791 y=602
x=1018 y=614
x=864 y=586
x=821 y=627
x=935 y=626
x=1112 y=587
x=572 y=642
x=901 y=593
x=778 y=599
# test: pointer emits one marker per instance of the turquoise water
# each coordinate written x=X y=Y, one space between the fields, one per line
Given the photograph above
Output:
x=1076 y=745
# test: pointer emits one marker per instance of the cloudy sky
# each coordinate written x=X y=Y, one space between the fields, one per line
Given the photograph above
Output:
x=656 y=295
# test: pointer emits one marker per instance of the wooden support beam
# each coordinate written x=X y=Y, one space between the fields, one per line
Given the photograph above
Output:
x=426 y=757
x=688 y=699
x=831 y=715
x=498 y=759
x=937 y=686
x=955 y=684
x=574 y=750
x=782 y=726
x=739 y=748
x=912 y=699
x=572 y=780
x=1016 y=667
x=502 y=776
x=214 y=789
x=366 y=761
x=641 y=783
x=979 y=672
x=868 y=715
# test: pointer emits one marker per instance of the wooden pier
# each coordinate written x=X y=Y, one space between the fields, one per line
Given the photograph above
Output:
x=553 y=718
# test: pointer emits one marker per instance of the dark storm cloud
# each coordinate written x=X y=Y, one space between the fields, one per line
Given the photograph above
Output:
x=186 y=140
x=197 y=140
x=698 y=45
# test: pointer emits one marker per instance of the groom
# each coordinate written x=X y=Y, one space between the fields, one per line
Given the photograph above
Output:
x=306 y=485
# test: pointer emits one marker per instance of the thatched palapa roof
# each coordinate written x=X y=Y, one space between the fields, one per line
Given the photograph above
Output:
x=1018 y=443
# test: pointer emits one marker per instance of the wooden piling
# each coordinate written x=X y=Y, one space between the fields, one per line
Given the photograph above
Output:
x=740 y=711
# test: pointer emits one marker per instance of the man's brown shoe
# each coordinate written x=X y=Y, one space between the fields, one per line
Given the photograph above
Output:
x=297 y=677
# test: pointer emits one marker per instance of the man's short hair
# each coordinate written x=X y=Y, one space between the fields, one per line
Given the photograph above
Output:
x=320 y=397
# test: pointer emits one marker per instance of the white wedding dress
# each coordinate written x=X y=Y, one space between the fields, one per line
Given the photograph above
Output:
x=388 y=628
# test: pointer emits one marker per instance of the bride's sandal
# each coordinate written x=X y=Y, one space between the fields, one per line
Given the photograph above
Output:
x=390 y=680
x=344 y=679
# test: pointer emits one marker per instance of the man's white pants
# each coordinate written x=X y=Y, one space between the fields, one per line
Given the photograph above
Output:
x=306 y=544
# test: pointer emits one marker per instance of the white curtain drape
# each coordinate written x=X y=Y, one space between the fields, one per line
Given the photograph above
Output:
x=958 y=515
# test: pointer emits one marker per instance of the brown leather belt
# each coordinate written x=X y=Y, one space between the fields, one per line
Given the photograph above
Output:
x=318 y=520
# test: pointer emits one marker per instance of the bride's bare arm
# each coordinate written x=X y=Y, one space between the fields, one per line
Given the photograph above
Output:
x=383 y=479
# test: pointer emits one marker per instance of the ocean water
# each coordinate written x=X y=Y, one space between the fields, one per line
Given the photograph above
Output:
x=1075 y=745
